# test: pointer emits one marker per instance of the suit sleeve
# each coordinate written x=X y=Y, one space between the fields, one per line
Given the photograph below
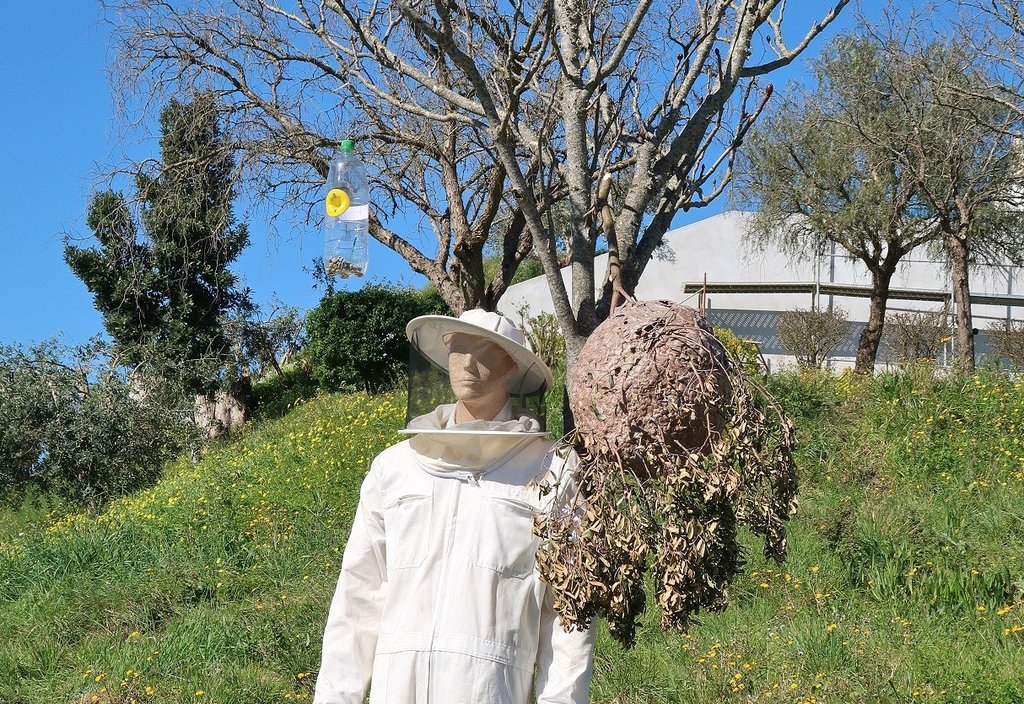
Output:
x=350 y=637
x=565 y=659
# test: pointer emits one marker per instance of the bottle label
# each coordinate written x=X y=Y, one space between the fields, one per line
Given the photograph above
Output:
x=355 y=212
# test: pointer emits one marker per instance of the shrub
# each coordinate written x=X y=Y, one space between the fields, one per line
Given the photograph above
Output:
x=275 y=394
x=72 y=421
x=356 y=339
x=915 y=335
x=743 y=351
x=529 y=268
x=811 y=335
x=1008 y=341
x=544 y=335
x=808 y=394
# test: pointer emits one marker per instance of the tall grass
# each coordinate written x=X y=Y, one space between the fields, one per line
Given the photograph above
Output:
x=904 y=580
x=211 y=586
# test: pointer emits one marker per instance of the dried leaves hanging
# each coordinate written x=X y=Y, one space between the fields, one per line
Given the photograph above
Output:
x=677 y=448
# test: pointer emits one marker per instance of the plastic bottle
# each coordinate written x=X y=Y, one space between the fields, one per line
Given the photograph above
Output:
x=347 y=206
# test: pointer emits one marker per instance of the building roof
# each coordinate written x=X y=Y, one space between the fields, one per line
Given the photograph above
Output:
x=742 y=276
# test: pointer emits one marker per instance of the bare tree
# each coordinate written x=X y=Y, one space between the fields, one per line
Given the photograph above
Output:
x=291 y=79
x=472 y=110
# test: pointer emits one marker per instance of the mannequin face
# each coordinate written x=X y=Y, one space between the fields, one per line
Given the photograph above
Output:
x=478 y=369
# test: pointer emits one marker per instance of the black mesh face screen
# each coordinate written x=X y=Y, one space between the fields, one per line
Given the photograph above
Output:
x=534 y=405
x=429 y=388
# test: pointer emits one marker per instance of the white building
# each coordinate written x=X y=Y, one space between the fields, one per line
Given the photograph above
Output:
x=748 y=289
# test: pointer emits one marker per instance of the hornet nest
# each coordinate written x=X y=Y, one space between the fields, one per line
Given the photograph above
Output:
x=677 y=447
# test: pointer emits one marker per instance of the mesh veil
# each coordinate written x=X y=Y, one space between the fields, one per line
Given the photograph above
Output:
x=429 y=387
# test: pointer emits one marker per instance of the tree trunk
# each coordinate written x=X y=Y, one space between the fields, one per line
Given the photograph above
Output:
x=225 y=410
x=871 y=336
x=451 y=293
x=471 y=275
x=956 y=244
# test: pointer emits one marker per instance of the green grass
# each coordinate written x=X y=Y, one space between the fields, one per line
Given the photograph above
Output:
x=215 y=581
x=904 y=581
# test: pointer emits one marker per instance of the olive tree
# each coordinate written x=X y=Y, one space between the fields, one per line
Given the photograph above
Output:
x=890 y=151
x=966 y=164
x=823 y=168
x=72 y=421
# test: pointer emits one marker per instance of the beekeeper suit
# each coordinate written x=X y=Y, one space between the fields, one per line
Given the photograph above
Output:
x=439 y=599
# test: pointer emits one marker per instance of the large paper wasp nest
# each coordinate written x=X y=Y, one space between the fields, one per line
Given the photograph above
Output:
x=677 y=448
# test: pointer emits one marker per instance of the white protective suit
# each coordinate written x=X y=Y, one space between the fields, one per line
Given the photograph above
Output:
x=439 y=599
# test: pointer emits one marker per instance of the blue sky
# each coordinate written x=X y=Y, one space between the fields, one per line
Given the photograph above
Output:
x=59 y=133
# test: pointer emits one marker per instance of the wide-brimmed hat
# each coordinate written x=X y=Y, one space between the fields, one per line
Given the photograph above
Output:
x=429 y=334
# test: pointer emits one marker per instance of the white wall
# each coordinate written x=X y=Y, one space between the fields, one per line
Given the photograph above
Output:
x=716 y=246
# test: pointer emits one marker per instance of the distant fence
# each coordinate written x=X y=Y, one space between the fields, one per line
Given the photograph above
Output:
x=760 y=326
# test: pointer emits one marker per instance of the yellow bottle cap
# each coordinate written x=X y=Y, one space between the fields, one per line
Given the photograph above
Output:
x=337 y=202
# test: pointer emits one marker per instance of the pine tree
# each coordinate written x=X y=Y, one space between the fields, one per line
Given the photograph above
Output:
x=162 y=282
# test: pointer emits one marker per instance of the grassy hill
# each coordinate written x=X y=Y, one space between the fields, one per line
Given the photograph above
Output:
x=905 y=580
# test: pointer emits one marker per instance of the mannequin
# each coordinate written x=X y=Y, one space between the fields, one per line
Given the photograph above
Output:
x=478 y=371
x=439 y=600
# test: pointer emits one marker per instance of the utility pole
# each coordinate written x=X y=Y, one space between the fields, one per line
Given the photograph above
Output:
x=816 y=296
x=832 y=275
x=1009 y=292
